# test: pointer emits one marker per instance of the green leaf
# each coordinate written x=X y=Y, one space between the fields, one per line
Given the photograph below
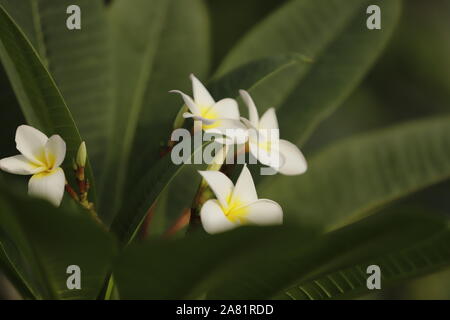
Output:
x=418 y=259
x=260 y=263
x=38 y=242
x=37 y=93
x=201 y=255
x=267 y=78
x=244 y=14
x=356 y=244
x=10 y=110
x=158 y=43
x=333 y=34
x=78 y=60
x=13 y=274
x=359 y=175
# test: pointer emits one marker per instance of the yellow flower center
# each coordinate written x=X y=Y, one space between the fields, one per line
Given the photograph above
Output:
x=236 y=210
x=210 y=114
x=51 y=160
x=48 y=161
x=46 y=173
x=265 y=145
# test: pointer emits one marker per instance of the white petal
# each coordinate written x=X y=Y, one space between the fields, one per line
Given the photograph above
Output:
x=213 y=219
x=244 y=191
x=189 y=102
x=248 y=124
x=198 y=118
x=31 y=143
x=226 y=109
x=48 y=186
x=19 y=165
x=294 y=162
x=252 y=111
x=55 y=151
x=264 y=212
x=269 y=120
x=202 y=96
x=269 y=157
x=234 y=130
x=220 y=184
x=187 y=115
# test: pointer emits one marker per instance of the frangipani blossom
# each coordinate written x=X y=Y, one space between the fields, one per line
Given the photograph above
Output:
x=40 y=157
x=220 y=117
x=236 y=205
x=264 y=142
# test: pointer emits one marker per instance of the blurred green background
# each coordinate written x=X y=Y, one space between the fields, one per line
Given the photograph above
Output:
x=411 y=80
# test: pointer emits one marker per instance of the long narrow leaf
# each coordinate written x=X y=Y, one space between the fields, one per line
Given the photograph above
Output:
x=80 y=61
x=36 y=91
x=333 y=34
x=39 y=242
x=259 y=263
x=357 y=176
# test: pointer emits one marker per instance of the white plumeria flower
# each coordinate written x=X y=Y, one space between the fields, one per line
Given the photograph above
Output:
x=265 y=145
x=220 y=117
x=40 y=157
x=236 y=205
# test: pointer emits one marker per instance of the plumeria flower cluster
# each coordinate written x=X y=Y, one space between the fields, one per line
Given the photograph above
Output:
x=239 y=205
x=235 y=205
x=42 y=157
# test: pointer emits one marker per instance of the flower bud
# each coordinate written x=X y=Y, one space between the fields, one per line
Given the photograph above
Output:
x=82 y=155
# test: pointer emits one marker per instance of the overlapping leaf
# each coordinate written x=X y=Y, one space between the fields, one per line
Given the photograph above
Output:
x=259 y=263
x=39 y=242
x=417 y=260
x=333 y=34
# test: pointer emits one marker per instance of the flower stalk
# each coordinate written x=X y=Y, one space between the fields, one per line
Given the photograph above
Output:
x=82 y=197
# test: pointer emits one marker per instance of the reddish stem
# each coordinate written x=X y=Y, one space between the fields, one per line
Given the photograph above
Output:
x=72 y=192
x=181 y=222
x=147 y=221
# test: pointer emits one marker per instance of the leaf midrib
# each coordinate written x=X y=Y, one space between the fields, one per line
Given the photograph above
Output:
x=38 y=30
x=398 y=277
x=17 y=272
x=335 y=36
x=138 y=101
x=375 y=205
x=310 y=277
